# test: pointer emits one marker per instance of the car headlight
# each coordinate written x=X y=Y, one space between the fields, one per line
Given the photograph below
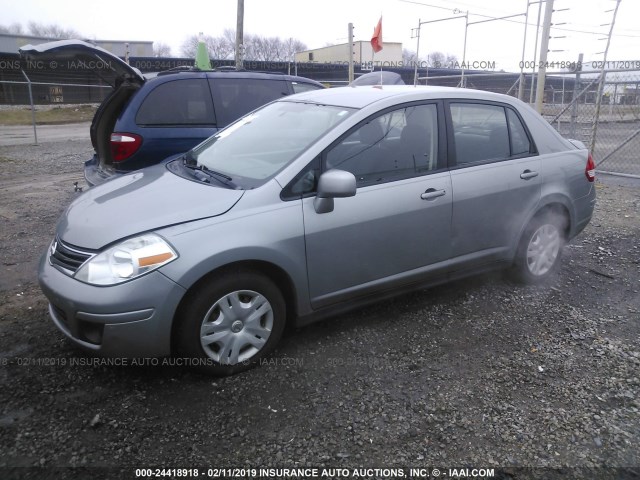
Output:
x=126 y=260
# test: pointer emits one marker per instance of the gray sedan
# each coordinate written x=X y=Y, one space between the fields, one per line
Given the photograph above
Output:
x=312 y=205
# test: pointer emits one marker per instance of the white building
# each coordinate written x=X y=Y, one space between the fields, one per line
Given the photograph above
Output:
x=390 y=55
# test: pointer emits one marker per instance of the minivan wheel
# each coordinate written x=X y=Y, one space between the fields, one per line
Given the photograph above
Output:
x=228 y=323
x=540 y=249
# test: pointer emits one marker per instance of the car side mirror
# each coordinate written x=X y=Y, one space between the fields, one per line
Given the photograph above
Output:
x=333 y=184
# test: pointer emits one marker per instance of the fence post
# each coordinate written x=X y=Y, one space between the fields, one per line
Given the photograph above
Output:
x=33 y=109
x=574 y=100
x=596 y=119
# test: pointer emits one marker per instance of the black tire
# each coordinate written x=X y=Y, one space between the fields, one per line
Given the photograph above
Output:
x=540 y=249
x=243 y=315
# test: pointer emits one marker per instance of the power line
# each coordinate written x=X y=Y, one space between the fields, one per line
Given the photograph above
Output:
x=519 y=22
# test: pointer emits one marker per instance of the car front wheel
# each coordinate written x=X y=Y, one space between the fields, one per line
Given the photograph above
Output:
x=540 y=249
x=228 y=323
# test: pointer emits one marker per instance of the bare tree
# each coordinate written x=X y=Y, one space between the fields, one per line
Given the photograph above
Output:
x=189 y=46
x=436 y=60
x=451 y=61
x=52 y=31
x=255 y=47
x=229 y=36
x=161 y=49
x=291 y=47
x=219 y=48
x=13 y=29
x=263 y=48
x=41 y=30
x=409 y=57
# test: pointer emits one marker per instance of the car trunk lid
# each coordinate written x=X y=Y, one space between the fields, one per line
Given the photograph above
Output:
x=105 y=65
x=110 y=69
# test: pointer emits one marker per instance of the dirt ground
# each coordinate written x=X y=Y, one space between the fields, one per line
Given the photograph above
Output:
x=481 y=373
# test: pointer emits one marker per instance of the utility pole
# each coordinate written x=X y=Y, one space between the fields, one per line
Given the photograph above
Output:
x=464 y=50
x=417 y=36
x=544 y=50
x=350 y=45
x=601 y=83
x=240 y=36
x=535 y=52
x=521 y=81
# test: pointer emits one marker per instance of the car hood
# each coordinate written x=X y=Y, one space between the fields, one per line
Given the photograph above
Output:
x=76 y=54
x=142 y=201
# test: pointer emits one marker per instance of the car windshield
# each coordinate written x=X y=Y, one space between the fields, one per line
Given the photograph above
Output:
x=260 y=144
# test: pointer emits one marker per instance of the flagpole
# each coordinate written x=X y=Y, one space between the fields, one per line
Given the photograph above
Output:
x=380 y=39
x=373 y=65
x=376 y=45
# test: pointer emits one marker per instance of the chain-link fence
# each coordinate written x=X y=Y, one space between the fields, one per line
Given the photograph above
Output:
x=51 y=93
x=611 y=127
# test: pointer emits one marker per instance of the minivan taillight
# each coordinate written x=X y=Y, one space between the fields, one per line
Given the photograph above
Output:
x=123 y=145
x=590 y=169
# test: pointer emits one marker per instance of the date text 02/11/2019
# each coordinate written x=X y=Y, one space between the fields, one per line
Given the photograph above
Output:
x=575 y=66
x=310 y=472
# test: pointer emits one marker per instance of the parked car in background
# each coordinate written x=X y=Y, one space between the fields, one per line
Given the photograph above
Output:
x=145 y=120
x=312 y=205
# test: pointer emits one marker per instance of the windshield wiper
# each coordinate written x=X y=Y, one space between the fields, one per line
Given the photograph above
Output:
x=203 y=173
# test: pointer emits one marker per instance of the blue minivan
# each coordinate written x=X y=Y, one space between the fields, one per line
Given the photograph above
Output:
x=147 y=118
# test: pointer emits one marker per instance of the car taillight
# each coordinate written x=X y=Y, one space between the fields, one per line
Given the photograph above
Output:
x=123 y=145
x=590 y=169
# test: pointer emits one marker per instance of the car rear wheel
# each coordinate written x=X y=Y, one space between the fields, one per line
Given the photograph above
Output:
x=540 y=249
x=228 y=323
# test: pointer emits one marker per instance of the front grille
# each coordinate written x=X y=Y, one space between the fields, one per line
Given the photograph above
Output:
x=67 y=257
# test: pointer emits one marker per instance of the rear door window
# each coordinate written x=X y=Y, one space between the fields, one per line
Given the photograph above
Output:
x=480 y=132
x=234 y=97
x=485 y=133
x=178 y=103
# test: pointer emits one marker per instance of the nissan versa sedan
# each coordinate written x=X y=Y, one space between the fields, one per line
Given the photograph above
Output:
x=314 y=204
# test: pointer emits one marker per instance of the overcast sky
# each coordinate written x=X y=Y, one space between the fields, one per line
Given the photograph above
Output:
x=325 y=22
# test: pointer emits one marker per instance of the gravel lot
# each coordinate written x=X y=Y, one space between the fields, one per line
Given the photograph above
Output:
x=479 y=374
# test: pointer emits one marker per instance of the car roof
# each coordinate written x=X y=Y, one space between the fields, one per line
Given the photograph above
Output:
x=360 y=97
x=233 y=74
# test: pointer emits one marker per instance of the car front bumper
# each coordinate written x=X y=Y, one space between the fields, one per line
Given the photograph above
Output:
x=129 y=320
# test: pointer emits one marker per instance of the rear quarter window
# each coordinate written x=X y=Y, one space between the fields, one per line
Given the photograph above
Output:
x=234 y=97
x=520 y=144
x=175 y=103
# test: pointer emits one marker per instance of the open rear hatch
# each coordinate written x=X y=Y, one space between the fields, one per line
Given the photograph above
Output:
x=110 y=69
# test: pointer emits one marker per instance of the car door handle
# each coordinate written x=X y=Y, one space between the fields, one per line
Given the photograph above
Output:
x=432 y=194
x=527 y=174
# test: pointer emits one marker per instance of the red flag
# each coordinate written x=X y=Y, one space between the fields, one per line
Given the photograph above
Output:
x=376 y=40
